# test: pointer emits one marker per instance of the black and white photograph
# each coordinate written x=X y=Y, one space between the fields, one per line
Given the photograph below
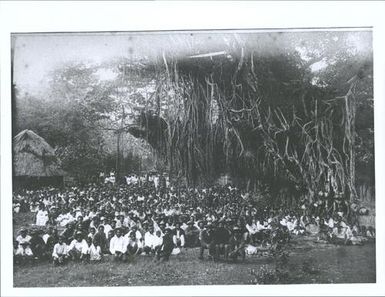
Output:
x=142 y=158
x=207 y=157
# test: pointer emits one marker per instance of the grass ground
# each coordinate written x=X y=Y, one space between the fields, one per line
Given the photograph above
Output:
x=308 y=263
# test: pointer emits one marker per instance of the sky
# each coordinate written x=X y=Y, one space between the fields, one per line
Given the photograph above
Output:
x=37 y=55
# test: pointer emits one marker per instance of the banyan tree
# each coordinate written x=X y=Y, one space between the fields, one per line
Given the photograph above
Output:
x=262 y=116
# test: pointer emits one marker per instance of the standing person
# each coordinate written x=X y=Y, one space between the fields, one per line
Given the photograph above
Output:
x=118 y=246
x=60 y=253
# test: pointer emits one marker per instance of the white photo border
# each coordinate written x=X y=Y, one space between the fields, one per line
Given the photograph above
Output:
x=102 y=16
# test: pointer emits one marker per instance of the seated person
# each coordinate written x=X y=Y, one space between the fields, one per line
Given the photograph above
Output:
x=77 y=246
x=38 y=246
x=50 y=238
x=355 y=238
x=178 y=236
x=291 y=225
x=41 y=216
x=138 y=234
x=149 y=239
x=323 y=230
x=134 y=245
x=60 y=253
x=23 y=252
x=95 y=251
x=338 y=235
x=118 y=246
x=167 y=246
x=92 y=232
x=158 y=242
x=236 y=244
x=370 y=233
x=191 y=235
x=100 y=240
x=221 y=237
x=85 y=254
x=312 y=228
x=206 y=240
x=252 y=229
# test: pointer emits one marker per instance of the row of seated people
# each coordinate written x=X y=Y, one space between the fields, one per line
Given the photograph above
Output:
x=224 y=237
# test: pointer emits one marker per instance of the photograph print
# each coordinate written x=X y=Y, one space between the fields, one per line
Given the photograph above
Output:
x=221 y=157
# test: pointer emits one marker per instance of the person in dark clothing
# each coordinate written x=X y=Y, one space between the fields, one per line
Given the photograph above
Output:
x=221 y=237
x=68 y=232
x=51 y=238
x=167 y=246
x=100 y=239
x=191 y=235
x=38 y=246
x=206 y=241
x=237 y=244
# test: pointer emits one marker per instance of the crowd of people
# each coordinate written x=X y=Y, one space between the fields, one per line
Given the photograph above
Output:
x=150 y=216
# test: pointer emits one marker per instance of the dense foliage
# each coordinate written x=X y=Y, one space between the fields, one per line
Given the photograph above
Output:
x=271 y=109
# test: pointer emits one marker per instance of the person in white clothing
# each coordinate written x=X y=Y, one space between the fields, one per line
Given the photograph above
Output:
x=23 y=252
x=134 y=245
x=149 y=241
x=77 y=247
x=178 y=236
x=135 y=230
x=95 y=253
x=118 y=246
x=60 y=252
x=41 y=216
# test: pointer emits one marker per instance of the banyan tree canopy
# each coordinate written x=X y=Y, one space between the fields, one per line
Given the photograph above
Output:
x=264 y=116
x=34 y=158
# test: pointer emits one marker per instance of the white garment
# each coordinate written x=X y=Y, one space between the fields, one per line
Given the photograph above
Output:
x=95 y=253
x=179 y=236
x=41 y=218
x=149 y=239
x=59 y=250
x=107 y=229
x=80 y=246
x=138 y=235
x=23 y=250
x=158 y=241
x=118 y=244
x=252 y=228
x=45 y=237
x=260 y=226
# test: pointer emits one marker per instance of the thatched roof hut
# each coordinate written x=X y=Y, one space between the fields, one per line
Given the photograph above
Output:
x=34 y=160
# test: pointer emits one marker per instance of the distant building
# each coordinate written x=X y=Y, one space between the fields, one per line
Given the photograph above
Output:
x=34 y=162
